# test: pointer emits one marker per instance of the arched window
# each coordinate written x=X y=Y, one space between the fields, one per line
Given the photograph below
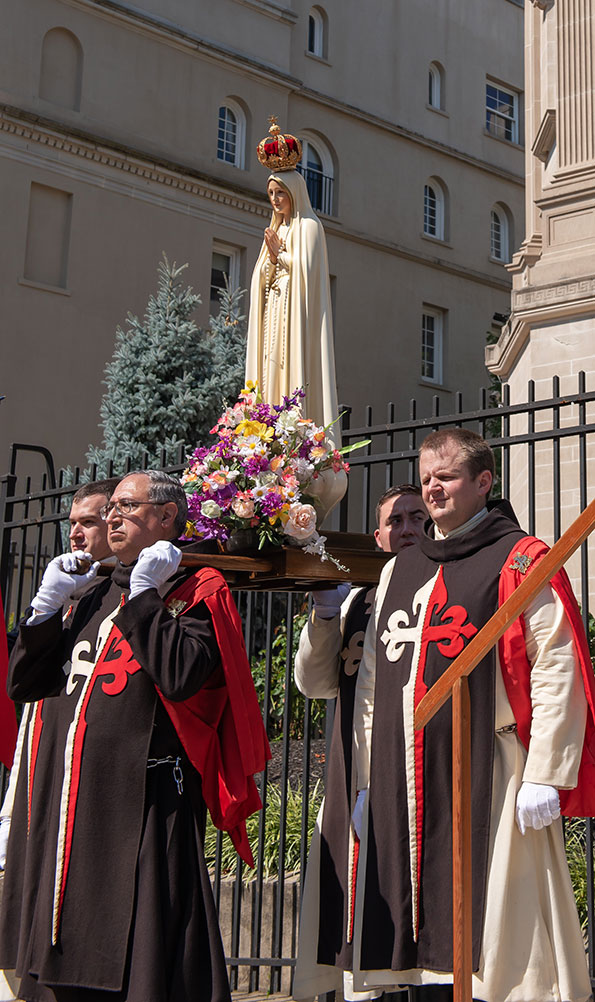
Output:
x=61 y=72
x=317 y=33
x=436 y=86
x=500 y=234
x=231 y=134
x=317 y=167
x=435 y=209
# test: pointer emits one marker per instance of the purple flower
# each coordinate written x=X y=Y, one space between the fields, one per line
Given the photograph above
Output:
x=255 y=465
x=271 y=503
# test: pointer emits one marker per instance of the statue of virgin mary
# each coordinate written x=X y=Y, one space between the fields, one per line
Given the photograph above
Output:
x=290 y=327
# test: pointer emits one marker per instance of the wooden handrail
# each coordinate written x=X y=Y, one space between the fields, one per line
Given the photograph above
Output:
x=515 y=604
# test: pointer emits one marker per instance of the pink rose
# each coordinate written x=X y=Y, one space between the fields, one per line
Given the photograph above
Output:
x=243 y=507
x=301 y=522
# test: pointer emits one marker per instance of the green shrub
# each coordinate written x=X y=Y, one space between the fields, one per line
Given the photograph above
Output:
x=277 y=697
x=272 y=828
x=575 y=833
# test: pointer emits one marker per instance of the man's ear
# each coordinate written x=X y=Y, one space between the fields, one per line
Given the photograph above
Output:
x=484 y=481
x=169 y=513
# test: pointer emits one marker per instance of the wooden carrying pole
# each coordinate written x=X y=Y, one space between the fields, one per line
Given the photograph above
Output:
x=454 y=680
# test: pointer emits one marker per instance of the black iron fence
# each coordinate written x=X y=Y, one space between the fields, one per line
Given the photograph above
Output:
x=536 y=442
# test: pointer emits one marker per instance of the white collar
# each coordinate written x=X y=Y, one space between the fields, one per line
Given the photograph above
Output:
x=465 y=527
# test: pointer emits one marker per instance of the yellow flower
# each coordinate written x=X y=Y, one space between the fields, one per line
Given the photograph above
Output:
x=250 y=386
x=256 y=428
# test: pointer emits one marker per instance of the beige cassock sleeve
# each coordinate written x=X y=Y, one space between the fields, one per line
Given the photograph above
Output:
x=363 y=710
x=317 y=662
x=559 y=705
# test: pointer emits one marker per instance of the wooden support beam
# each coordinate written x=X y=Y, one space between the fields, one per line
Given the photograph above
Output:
x=461 y=841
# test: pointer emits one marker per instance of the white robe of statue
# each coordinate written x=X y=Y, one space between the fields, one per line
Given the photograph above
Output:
x=290 y=328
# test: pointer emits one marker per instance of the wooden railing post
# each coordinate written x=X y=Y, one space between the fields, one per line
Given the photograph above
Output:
x=461 y=841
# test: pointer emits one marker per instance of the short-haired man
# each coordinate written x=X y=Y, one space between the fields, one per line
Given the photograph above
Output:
x=111 y=899
x=88 y=530
x=528 y=718
x=326 y=666
x=88 y=535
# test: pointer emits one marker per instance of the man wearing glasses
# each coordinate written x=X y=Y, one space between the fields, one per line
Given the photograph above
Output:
x=111 y=899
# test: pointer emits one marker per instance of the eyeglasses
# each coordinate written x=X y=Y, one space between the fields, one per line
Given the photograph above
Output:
x=123 y=507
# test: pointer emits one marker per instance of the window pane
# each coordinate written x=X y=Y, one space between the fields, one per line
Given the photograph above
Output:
x=428 y=346
x=220 y=268
x=496 y=236
x=227 y=136
x=431 y=346
x=430 y=211
x=500 y=113
x=311 y=34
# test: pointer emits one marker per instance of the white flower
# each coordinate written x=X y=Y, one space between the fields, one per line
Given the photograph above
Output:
x=259 y=490
x=287 y=422
x=303 y=470
x=301 y=523
x=251 y=445
x=316 y=546
x=210 y=509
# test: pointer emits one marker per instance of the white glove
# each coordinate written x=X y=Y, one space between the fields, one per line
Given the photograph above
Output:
x=4 y=833
x=154 y=566
x=536 y=806
x=59 y=582
x=358 y=811
x=328 y=601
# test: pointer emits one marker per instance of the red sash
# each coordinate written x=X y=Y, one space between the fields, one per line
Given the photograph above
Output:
x=516 y=671
x=221 y=728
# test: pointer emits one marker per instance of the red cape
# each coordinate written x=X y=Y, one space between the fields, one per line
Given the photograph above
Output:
x=516 y=671
x=8 y=719
x=221 y=727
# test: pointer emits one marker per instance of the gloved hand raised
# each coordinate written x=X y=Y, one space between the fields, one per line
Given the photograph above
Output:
x=328 y=601
x=154 y=566
x=536 y=806
x=60 y=583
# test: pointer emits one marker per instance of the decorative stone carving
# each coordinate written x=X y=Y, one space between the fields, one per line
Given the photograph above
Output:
x=546 y=136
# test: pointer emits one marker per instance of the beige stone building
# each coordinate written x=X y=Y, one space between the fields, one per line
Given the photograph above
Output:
x=551 y=331
x=129 y=129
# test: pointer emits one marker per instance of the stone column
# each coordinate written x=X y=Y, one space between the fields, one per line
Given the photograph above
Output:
x=551 y=330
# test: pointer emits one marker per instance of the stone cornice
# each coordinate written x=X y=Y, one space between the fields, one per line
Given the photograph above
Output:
x=133 y=164
x=102 y=151
x=274 y=75
x=270 y=9
x=533 y=308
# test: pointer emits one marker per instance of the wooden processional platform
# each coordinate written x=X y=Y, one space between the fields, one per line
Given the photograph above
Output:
x=288 y=568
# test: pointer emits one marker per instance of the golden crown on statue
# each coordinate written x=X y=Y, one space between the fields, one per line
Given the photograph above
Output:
x=277 y=151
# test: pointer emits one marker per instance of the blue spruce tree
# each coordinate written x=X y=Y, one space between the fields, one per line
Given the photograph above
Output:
x=168 y=380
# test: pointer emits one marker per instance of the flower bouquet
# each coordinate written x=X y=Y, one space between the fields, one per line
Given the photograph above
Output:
x=258 y=474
